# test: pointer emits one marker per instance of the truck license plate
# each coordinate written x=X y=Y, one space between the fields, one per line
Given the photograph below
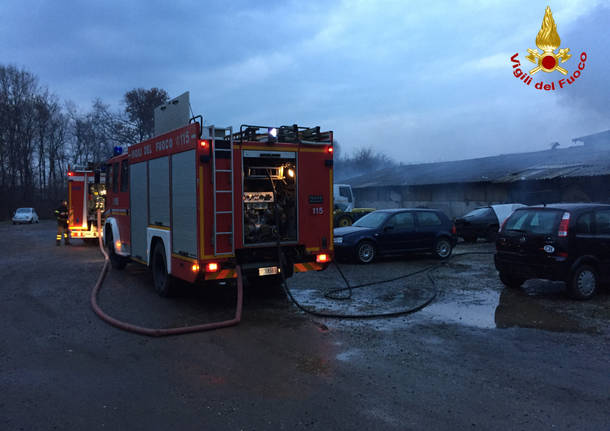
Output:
x=270 y=270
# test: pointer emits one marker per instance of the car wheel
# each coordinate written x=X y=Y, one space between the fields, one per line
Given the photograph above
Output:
x=584 y=282
x=365 y=252
x=164 y=282
x=344 y=221
x=511 y=281
x=117 y=262
x=442 y=248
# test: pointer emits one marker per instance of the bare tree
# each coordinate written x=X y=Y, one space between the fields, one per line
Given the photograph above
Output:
x=18 y=89
x=140 y=105
x=40 y=138
x=364 y=161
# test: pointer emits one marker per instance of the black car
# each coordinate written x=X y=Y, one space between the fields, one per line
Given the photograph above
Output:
x=563 y=242
x=483 y=222
x=396 y=231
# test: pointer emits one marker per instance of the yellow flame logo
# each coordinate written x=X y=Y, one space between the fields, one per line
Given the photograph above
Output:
x=548 y=38
x=548 y=41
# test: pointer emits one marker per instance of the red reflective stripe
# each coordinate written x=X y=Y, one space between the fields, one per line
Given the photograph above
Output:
x=307 y=266
x=223 y=273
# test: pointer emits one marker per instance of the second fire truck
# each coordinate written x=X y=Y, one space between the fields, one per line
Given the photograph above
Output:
x=84 y=190
x=196 y=201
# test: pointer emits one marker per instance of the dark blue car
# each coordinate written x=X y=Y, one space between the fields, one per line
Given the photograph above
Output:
x=396 y=231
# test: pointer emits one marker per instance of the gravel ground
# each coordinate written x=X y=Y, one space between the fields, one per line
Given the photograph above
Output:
x=478 y=357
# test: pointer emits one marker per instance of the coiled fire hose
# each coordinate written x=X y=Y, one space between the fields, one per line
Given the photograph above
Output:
x=157 y=332
x=281 y=263
x=329 y=295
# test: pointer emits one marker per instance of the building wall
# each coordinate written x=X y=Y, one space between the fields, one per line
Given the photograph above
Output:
x=457 y=199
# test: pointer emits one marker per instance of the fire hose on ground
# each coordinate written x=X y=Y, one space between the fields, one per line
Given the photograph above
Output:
x=157 y=332
x=329 y=295
x=160 y=332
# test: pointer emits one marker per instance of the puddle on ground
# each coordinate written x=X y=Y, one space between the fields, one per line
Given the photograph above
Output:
x=470 y=295
x=509 y=308
x=477 y=309
x=348 y=354
x=520 y=309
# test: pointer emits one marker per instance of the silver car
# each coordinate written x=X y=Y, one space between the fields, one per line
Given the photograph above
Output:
x=25 y=215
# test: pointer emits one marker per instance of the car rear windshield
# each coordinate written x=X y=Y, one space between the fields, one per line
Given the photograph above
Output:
x=478 y=212
x=536 y=221
x=373 y=219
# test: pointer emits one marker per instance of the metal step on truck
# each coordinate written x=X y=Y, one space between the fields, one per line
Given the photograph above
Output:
x=195 y=201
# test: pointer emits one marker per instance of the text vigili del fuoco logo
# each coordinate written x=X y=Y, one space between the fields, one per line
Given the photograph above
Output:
x=549 y=59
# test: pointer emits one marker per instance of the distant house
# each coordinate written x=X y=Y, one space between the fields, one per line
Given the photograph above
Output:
x=573 y=174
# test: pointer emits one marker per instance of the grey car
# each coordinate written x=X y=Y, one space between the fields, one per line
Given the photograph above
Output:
x=25 y=215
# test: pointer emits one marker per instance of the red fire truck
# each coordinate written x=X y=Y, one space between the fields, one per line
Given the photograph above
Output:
x=195 y=202
x=83 y=190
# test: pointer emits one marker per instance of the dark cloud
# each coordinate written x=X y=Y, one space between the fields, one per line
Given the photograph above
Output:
x=419 y=80
x=591 y=91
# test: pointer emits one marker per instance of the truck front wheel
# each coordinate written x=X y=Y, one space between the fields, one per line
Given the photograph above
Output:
x=117 y=262
x=164 y=282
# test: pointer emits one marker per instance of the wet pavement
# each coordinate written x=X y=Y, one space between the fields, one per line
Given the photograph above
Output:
x=478 y=357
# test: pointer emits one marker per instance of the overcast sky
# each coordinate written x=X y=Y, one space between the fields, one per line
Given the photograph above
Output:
x=417 y=80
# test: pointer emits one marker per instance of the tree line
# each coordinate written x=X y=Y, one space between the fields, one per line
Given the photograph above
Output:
x=40 y=137
x=361 y=162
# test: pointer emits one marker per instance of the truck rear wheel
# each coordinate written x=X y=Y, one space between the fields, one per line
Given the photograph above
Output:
x=164 y=282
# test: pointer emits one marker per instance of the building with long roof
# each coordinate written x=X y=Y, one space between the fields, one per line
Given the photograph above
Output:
x=578 y=173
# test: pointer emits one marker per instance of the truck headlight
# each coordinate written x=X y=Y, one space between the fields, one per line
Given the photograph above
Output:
x=338 y=240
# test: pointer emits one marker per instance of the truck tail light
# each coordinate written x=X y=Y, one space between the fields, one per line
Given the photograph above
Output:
x=322 y=258
x=564 y=224
x=70 y=174
x=211 y=267
x=203 y=144
x=195 y=267
x=330 y=150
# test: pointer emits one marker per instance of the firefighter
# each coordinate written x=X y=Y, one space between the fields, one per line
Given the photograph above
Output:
x=62 y=214
x=91 y=208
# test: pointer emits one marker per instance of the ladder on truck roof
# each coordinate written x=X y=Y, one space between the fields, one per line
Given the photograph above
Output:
x=222 y=150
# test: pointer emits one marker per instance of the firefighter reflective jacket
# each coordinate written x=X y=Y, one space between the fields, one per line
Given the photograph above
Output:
x=62 y=214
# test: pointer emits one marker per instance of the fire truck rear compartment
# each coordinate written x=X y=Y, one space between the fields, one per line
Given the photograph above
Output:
x=269 y=197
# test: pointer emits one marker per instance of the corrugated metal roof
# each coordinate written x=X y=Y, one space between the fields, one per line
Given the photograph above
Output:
x=576 y=161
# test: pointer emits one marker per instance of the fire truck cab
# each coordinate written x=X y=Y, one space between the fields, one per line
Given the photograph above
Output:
x=194 y=202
